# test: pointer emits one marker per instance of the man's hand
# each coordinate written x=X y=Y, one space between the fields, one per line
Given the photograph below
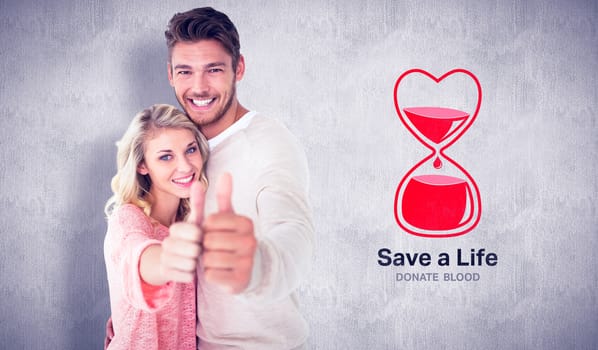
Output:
x=229 y=243
x=181 y=249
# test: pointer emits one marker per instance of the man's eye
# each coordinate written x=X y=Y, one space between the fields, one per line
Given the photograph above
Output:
x=183 y=72
x=166 y=157
x=214 y=70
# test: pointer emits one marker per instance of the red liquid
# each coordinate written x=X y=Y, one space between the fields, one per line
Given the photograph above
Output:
x=435 y=122
x=435 y=202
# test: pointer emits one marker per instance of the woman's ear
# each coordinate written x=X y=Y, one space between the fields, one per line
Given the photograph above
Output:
x=142 y=169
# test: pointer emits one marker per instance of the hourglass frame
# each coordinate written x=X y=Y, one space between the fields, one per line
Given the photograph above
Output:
x=473 y=198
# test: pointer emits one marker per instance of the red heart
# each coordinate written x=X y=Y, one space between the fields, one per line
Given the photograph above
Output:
x=469 y=121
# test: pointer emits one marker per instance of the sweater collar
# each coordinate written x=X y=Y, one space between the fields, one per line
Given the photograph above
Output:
x=239 y=125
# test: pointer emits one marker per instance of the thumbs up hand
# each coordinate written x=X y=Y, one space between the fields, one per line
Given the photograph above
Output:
x=229 y=243
x=181 y=249
x=224 y=194
x=197 y=196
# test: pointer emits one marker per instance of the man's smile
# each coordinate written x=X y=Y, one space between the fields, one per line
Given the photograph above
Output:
x=201 y=102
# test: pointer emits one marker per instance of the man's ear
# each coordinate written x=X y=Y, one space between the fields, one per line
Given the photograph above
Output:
x=142 y=169
x=169 y=69
x=240 y=68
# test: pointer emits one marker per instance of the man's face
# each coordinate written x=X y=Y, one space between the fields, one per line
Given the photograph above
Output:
x=204 y=81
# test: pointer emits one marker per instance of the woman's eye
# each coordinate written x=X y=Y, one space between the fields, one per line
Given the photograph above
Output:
x=192 y=150
x=166 y=157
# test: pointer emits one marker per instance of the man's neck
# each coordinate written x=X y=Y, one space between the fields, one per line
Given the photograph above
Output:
x=237 y=112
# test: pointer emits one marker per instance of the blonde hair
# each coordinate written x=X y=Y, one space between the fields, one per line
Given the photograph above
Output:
x=130 y=187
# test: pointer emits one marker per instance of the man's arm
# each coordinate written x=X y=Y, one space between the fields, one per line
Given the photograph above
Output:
x=274 y=265
x=285 y=248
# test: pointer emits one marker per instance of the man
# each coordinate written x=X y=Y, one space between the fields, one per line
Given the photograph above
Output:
x=256 y=237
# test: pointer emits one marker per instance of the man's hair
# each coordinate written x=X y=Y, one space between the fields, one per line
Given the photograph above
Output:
x=203 y=23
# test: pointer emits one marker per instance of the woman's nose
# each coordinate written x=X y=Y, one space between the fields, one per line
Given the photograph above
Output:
x=183 y=164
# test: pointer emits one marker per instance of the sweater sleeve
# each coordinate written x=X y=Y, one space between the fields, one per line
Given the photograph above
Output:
x=130 y=232
x=285 y=244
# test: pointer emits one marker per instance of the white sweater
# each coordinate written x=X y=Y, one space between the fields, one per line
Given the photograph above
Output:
x=270 y=186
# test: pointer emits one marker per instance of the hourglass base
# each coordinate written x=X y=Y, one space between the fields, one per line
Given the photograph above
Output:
x=435 y=202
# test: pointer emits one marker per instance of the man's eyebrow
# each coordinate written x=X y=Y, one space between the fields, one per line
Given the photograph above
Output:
x=182 y=66
x=207 y=66
x=215 y=64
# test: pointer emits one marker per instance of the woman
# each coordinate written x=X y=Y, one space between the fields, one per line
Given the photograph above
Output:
x=161 y=155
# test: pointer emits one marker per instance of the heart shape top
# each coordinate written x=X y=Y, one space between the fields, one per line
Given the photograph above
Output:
x=420 y=118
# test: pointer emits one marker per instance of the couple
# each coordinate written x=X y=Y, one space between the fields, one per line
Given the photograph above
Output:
x=193 y=261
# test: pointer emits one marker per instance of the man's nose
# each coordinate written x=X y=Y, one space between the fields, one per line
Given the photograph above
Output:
x=200 y=83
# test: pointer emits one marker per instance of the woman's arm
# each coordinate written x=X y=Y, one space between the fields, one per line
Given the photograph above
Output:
x=150 y=268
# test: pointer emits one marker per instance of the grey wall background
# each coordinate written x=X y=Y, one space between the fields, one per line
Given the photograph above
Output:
x=72 y=75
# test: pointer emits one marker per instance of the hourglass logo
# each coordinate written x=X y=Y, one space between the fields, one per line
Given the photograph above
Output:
x=437 y=197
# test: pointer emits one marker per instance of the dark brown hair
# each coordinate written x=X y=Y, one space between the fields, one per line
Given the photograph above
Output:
x=203 y=23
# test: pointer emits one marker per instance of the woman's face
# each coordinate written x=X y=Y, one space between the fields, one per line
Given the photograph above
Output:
x=173 y=161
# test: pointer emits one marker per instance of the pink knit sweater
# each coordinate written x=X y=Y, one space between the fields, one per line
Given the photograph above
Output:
x=144 y=316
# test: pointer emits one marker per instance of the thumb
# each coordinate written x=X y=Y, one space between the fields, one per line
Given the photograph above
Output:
x=196 y=203
x=224 y=192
